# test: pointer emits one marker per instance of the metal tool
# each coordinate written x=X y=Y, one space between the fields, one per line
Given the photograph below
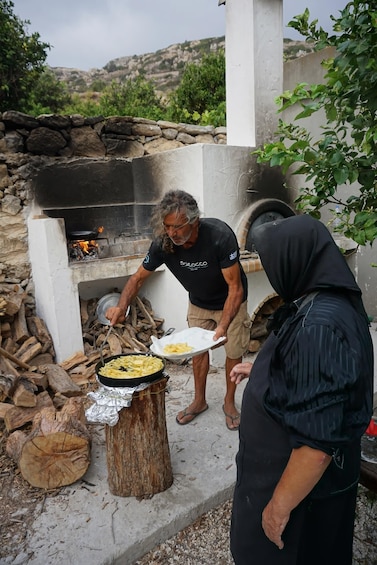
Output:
x=103 y=343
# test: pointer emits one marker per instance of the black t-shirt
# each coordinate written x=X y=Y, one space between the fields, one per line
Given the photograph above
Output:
x=198 y=268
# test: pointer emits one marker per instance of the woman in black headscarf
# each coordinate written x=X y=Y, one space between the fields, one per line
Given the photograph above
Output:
x=306 y=405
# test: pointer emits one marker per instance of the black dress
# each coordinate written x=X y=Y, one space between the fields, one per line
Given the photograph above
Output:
x=310 y=385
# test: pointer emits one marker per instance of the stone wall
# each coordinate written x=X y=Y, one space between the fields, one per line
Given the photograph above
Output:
x=26 y=143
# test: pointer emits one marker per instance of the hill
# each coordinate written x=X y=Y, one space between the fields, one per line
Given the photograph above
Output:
x=163 y=67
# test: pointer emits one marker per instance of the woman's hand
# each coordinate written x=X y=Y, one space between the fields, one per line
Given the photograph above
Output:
x=273 y=523
x=240 y=371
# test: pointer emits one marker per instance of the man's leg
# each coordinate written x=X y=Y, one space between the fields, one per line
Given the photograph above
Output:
x=200 y=366
x=230 y=410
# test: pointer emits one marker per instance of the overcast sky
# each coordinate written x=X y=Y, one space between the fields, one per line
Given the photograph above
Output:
x=87 y=34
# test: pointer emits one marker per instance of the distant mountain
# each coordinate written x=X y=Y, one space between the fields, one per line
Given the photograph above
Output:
x=163 y=67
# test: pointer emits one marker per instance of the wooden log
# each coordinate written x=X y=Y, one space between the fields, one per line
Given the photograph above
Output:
x=11 y=357
x=114 y=345
x=60 y=381
x=14 y=301
x=38 y=379
x=4 y=407
x=7 y=385
x=57 y=450
x=17 y=417
x=6 y=330
x=38 y=328
x=75 y=359
x=19 y=326
x=29 y=349
x=145 y=312
x=137 y=448
x=25 y=394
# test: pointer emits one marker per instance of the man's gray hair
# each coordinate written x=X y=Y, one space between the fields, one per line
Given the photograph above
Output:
x=173 y=202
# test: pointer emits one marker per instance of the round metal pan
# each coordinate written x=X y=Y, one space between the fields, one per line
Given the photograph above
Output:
x=129 y=382
x=83 y=235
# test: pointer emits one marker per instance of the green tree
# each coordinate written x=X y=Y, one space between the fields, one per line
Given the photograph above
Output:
x=48 y=95
x=22 y=58
x=135 y=97
x=345 y=152
x=200 y=96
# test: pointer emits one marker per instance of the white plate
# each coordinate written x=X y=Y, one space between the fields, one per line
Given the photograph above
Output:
x=197 y=338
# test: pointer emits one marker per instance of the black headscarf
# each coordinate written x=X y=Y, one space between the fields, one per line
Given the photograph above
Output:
x=300 y=256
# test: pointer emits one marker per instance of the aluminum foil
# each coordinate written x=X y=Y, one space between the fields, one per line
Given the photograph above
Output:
x=109 y=401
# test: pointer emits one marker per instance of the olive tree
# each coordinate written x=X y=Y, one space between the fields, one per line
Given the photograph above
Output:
x=345 y=152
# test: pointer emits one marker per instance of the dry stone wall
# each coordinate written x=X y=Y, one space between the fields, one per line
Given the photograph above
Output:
x=27 y=142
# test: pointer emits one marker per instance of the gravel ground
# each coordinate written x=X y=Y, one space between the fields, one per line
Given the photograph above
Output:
x=206 y=541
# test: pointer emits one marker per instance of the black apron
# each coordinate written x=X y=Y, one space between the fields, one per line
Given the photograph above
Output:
x=263 y=454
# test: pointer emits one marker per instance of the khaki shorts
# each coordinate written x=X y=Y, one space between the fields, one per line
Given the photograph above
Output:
x=238 y=333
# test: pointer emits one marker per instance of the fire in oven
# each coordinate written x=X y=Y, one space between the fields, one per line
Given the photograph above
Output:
x=83 y=244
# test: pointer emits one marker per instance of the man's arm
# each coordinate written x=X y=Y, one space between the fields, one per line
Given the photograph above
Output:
x=303 y=471
x=234 y=300
x=131 y=288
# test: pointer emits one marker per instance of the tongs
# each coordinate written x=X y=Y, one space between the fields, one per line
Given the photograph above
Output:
x=103 y=343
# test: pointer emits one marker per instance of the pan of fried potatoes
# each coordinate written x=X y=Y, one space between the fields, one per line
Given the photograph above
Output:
x=130 y=369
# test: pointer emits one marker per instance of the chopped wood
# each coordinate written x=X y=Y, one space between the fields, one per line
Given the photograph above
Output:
x=20 y=329
x=4 y=407
x=60 y=381
x=6 y=330
x=7 y=385
x=38 y=328
x=29 y=349
x=6 y=367
x=42 y=359
x=145 y=311
x=38 y=379
x=14 y=301
x=17 y=417
x=24 y=395
x=11 y=357
x=114 y=345
x=57 y=450
x=74 y=360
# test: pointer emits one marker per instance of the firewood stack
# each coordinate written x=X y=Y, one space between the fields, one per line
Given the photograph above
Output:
x=42 y=403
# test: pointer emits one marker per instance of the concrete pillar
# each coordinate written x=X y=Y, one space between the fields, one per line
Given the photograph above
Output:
x=57 y=297
x=254 y=69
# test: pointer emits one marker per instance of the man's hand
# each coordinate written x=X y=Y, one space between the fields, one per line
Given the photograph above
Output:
x=115 y=315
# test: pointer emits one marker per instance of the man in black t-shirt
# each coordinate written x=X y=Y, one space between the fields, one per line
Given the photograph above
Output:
x=203 y=255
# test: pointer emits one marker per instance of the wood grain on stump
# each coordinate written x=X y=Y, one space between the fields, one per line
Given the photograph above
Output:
x=138 y=455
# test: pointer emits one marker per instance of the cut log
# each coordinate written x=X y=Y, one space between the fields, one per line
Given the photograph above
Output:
x=20 y=329
x=60 y=381
x=38 y=379
x=56 y=453
x=137 y=448
x=17 y=417
x=74 y=360
x=114 y=344
x=42 y=359
x=14 y=301
x=145 y=312
x=25 y=394
x=4 y=407
x=38 y=329
x=7 y=386
x=29 y=349
x=11 y=357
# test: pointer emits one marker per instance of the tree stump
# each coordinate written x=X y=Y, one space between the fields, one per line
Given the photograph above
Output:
x=138 y=455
